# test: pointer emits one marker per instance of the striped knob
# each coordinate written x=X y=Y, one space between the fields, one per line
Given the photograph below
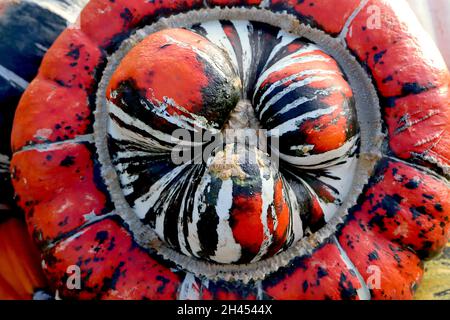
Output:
x=238 y=205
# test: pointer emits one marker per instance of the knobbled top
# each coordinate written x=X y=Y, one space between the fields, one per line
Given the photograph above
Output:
x=180 y=79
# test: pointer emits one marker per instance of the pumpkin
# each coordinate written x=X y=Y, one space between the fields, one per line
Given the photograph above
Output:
x=352 y=97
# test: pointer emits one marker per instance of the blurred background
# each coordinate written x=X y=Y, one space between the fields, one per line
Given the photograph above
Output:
x=435 y=17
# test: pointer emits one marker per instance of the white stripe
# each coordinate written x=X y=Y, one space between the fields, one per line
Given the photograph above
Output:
x=259 y=290
x=160 y=108
x=41 y=47
x=363 y=292
x=163 y=206
x=89 y=138
x=293 y=124
x=228 y=251
x=267 y=197
x=216 y=34
x=134 y=122
x=182 y=221
x=124 y=155
x=123 y=159
x=124 y=134
x=280 y=66
x=293 y=77
x=4 y=160
x=13 y=78
x=189 y=289
x=295 y=57
x=298 y=103
x=345 y=172
x=4 y=207
x=292 y=87
x=296 y=230
x=328 y=209
x=349 y=21
x=264 y=4
x=316 y=161
x=286 y=39
x=143 y=204
x=292 y=106
x=242 y=28
x=205 y=55
x=198 y=209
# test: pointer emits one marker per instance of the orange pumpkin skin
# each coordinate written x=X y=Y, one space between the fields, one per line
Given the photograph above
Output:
x=62 y=194
x=168 y=58
x=412 y=80
x=21 y=275
x=401 y=217
x=330 y=17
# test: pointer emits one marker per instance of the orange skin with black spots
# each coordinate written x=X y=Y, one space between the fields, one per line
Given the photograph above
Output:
x=412 y=77
x=57 y=189
x=72 y=61
x=56 y=106
x=393 y=54
x=108 y=258
x=428 y=119
x=323 y=275
x=44 y=121
x=220 y=291
x=329 y=15
x=403 y=209
x=407 y=206
x=124 y=15
x=400 y=270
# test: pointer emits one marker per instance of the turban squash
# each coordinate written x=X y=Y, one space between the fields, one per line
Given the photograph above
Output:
x=27 y=30
x=354 y=92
